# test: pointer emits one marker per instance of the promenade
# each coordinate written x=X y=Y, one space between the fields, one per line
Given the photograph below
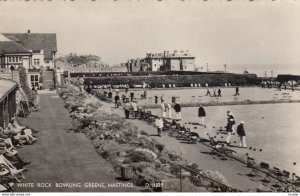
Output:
x=62 y=156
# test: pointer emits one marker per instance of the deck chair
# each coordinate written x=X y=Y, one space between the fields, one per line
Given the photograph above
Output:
x=265 y=168
x=216 y=147
x=17 y=174
x=251 y=164
x=194 y=138
x=281 y=176
x=183 y=133
x=6 y=180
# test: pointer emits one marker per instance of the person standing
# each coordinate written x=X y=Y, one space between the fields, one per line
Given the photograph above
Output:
x=109 y=94
x=230 y=126
x=201 y=114
x=168 y=110
x=163 y=109
x=156 y=99
x=177 y=108
x=131 y=96
x=134 y=108
x=127 y=110
x=219 y=93
x=242 y=134
x=117 y=99
x=159 y=123
x=162 y=98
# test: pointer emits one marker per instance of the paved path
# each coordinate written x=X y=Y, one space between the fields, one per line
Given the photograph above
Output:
x=62 y=156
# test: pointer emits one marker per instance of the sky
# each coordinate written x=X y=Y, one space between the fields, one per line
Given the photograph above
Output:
x=260 y=35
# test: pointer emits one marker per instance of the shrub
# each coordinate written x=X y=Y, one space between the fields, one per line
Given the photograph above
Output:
x=24 y=83
x=142 y=155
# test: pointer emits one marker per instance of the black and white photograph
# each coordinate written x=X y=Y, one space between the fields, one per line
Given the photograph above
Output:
x=134 y=96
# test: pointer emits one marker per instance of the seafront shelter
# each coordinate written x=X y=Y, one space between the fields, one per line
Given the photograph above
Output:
x=7 y=101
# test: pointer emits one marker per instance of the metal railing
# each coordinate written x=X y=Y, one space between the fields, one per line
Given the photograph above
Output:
x=224 y=186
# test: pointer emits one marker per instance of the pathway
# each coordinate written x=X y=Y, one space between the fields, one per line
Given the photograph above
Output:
x=61 y=156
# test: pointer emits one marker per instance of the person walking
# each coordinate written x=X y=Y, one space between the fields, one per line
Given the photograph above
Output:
x=159 y=123
x=230 y=126
x=201 y=114
x=237 y=90
x=208 y=92
x=177 y=108
x=215 y=92
x=242 y=134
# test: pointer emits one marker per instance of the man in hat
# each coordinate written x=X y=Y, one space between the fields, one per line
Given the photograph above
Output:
x=242 y=134
x=230 y=126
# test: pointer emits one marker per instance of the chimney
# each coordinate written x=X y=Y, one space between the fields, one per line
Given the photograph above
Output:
x=28 y=31
x=175 y=52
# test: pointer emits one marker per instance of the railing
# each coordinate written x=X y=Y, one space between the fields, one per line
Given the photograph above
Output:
x=226 y=187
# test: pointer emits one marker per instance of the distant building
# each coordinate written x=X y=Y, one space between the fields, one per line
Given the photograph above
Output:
x=175 y=61
x=43 y=47
x=13 y=55
x=135 y=65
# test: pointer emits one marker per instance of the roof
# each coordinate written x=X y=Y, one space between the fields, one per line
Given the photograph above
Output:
x=6 y=86
x=3 y=38
x=11 y=47
x=36 y=41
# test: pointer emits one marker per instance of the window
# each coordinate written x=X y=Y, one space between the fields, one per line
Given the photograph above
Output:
x=9 y=59
x=36 y=62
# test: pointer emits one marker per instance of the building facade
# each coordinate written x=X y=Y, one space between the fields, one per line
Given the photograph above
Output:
x=43 y=47
x=34 y=51
x=135 y=65
x=12 y=55
x=174 y=61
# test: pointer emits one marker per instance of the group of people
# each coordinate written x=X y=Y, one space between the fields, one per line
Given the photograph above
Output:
x=130 y=106
x=240 y=130
x=14 y=136
x=215 y=93
x=218 y=93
